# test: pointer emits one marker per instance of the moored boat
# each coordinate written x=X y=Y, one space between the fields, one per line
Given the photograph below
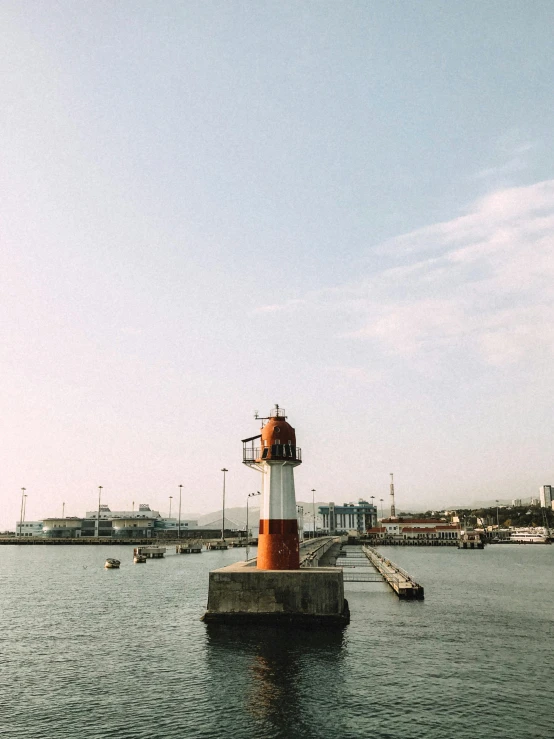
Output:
x=112 y=564
x=139 y=559
x=530 y=536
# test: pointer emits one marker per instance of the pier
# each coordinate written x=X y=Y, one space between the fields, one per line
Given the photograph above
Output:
x=398 y=579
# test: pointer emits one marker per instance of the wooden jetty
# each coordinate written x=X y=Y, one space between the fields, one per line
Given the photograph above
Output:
x=398 y=579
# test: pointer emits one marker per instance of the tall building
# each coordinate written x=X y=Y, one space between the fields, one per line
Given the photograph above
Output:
x=545 y=495
x=359 y=517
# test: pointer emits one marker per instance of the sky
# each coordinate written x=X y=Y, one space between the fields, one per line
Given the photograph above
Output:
x=207 y=208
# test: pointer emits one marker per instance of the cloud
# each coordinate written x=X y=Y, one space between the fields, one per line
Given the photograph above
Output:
x=480 y=284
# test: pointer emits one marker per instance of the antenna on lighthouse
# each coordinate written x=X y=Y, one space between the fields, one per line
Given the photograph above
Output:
x=392 y=506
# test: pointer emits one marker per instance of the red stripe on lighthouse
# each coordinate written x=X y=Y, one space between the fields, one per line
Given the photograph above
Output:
x=278 y=544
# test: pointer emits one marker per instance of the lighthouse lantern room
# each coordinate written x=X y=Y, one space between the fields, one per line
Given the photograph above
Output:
x=275 y=454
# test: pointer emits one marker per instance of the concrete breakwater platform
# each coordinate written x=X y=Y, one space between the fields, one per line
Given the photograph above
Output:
x=240 y=593
x=312 y=595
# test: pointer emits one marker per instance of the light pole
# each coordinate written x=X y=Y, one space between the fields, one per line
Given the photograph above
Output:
x=99 y=497
x=250 y=495
x=381 y=501
x=313 y=509
x=24 y=506
x=21 y=513
x=170 y=499
x=224 y=470
x=63 y=510
x=179 y=525
x=372 y=498
x=497 y=524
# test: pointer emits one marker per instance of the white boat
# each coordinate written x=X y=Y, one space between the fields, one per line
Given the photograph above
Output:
x=112 y=564
x=530 y=536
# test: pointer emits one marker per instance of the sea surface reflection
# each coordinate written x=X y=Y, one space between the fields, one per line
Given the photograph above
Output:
x=288 y=679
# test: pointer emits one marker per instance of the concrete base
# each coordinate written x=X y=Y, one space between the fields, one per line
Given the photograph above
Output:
x=240 y=593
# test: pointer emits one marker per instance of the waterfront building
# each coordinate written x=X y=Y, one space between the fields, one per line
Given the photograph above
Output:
x=545 y=496
x=28 y=528
x=358 y=517
x=144 y=523
x=401 y=527
x=59 y=528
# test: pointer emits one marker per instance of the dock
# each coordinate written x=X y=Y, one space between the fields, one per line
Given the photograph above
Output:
x=188 y=548
x=217 y=545
x=398 y=579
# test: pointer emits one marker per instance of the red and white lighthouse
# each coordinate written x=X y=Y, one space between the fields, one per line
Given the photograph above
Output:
x=276 y=457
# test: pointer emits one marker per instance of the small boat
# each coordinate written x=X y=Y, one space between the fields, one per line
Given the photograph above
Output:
x=112 y=564
x=139 y=558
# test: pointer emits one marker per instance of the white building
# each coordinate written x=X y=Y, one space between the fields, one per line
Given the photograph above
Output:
x=545 y=495
x=28 y=528
x=516 y=502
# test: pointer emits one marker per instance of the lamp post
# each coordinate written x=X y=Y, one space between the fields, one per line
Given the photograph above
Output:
x=63 y=510
x=99 y=497
x=381 y=501
x=372 y=498
x=24 y=506
x=170 y=499
x=497 y=524
x=21 y=513
x=179 y=524
x=250 y=495
x=313 y=509
x=224 y=470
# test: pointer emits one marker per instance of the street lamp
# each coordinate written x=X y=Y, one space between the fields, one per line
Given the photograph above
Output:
x=497 y=524
x=170 y=499
x=21 y=513
x=250 y=495
x=99 y=497
x=372 y=497
x=313 y=509
x=224 y=470
x=179 y=525
x=381 y=500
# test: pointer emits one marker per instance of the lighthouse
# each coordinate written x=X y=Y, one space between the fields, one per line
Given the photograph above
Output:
x=276 y=457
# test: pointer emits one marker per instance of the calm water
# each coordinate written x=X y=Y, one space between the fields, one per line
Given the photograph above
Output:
x=122 y=653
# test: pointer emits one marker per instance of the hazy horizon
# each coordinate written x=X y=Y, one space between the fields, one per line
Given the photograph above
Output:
x=210 y=207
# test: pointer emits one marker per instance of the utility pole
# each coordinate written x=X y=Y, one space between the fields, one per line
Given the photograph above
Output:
x=224 y=470
x=99 y=497
x=313 y=509
x=170 y=499
x=179 y=525
x=21 y=513
x=392 y=506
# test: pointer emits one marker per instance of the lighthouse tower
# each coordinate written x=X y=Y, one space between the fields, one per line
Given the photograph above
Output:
x=276 y=457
